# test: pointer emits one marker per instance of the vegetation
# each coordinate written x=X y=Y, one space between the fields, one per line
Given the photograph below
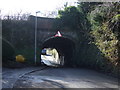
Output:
x=70 y=17
x=105 y=25
x=105 y=22
x=100 y=24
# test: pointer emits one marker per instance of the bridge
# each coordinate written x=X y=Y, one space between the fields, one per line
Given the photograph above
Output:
x=70 y=43
x=66 y=44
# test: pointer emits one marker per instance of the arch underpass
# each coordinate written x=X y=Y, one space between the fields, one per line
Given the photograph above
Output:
x=64 y=46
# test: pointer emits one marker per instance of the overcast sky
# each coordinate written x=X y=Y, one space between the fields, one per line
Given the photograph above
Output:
x=31 y=6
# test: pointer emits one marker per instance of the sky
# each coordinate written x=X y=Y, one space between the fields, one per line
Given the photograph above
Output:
x=10 y=7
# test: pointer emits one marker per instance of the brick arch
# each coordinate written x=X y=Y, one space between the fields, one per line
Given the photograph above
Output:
x=65 y=46
x=63 y=37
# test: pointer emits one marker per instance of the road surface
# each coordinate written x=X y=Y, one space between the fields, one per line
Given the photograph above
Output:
x=10 y=75
x=67 y=78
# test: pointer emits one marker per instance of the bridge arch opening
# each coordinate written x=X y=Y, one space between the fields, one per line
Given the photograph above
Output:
x=65 y=48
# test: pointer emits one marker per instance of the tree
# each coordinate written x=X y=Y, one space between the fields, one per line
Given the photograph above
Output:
x=105 y=21
x=70 y=17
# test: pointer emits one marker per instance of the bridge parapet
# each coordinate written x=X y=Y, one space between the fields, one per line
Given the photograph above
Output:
x=45 y=29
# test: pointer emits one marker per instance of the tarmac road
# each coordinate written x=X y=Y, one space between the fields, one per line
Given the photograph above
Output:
x=67 y=78
x=10 y=75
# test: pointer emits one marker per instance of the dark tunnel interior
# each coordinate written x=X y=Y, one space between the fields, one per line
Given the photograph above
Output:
x=64 y=46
